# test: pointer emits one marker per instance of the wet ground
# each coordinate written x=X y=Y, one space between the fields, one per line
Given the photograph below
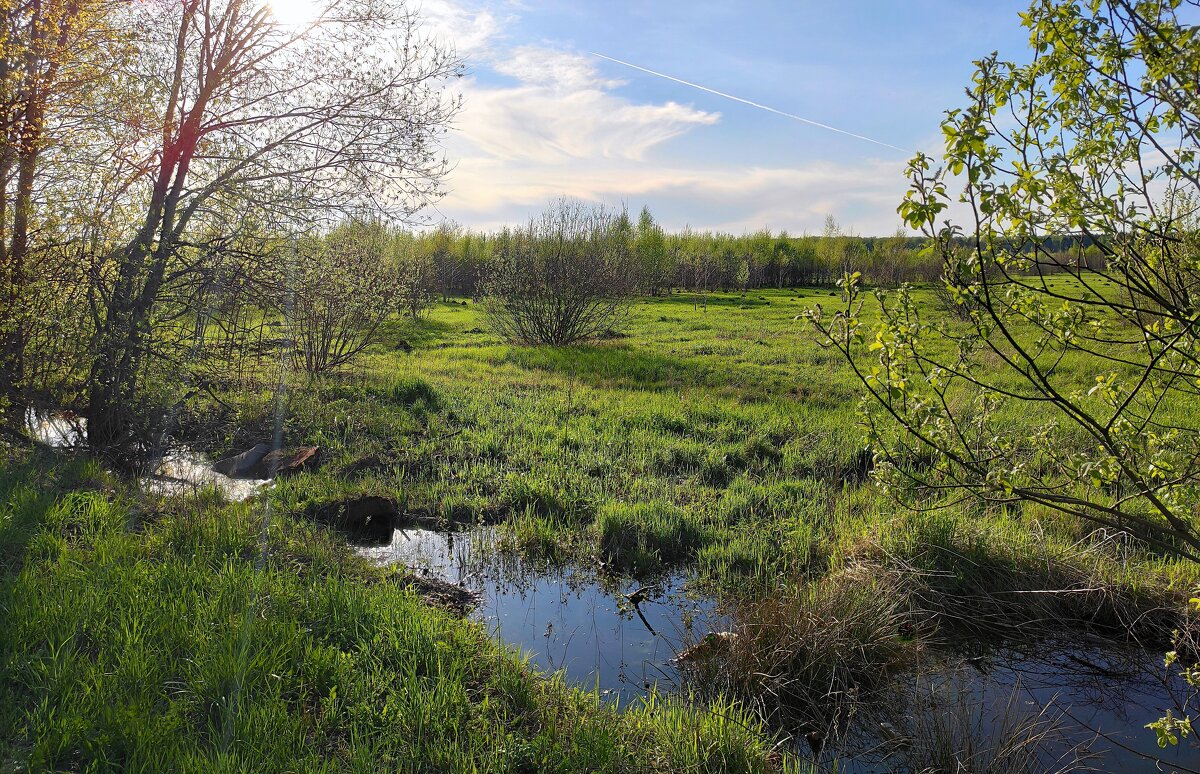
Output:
x=1085 y=701
x=178 y=471
x=565 y=619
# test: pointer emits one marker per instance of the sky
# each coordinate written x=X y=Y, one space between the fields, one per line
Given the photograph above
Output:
x=543 y=117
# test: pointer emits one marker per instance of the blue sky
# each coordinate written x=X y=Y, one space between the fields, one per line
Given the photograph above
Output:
x=543 y=118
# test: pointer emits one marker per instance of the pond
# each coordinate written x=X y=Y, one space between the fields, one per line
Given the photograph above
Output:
x=1088 y=701
x=569 y=619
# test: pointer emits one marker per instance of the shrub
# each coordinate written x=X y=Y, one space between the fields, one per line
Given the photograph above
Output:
x=569 y=276
x=340 y=290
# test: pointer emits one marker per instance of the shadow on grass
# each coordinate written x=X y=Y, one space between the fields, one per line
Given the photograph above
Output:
x=423 y=332
x=716 y=299
x=608 y=366
x=30 y=487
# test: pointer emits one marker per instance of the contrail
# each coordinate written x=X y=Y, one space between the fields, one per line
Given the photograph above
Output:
x=768 y=108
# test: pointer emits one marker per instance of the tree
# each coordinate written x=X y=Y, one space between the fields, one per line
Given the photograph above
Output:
x=568 y=276
x=651 y=248
x=417 y=270
x=1094 y=138
x=444 y=256
x=298 y=126
x=340 y=289
x=50 y=53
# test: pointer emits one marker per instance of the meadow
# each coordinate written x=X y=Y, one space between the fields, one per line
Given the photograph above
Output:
x=717 y=439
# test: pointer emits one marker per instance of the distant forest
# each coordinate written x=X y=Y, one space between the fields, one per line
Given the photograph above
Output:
x=457 y=258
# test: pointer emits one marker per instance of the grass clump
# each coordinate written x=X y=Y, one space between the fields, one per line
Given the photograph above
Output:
x=812 y=655
x=414 y=393
x=646 y=537
x=1011 y=578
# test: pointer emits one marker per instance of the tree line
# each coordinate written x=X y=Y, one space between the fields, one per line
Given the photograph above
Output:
x=458 y=258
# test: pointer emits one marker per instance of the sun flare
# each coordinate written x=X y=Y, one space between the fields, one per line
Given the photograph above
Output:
x=295 y=13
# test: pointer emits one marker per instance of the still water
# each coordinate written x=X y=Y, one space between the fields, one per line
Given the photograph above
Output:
x=1089 y=702
x=180 y=471
x=566 y=619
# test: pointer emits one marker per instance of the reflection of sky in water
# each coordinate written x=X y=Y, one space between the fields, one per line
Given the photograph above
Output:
x=568 y=619
x=565 y=619
x=1109 y=695
x=1089 y=693
x=179 y=472
x=183 y=472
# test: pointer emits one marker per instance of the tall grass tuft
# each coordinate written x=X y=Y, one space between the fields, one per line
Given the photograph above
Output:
x=646 y=537
x=812 y=655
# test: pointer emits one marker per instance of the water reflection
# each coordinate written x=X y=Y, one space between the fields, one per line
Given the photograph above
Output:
x=178 y=472
x=569 y=619
x=1090 y=703
x=1080 y=706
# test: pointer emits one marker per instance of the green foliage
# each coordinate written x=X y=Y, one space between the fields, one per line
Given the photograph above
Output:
x=1066 y=381
x=645 y=537
x=338 y=288
x=1106 y=353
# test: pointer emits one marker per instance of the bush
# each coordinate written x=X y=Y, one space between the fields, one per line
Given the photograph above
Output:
x=569 y=276
x=340 y=291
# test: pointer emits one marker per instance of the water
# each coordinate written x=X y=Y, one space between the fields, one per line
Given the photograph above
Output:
x=185 y=472
x=59 y=430
x=178 y=472
x=569 y=619
x=574 y=620
x=1091 y=704
x=1107 y=695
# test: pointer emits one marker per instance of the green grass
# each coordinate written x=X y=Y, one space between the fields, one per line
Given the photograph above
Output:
x=723 y=443
x=165 y=636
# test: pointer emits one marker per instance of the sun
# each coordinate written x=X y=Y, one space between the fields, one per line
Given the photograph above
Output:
x=295 y=13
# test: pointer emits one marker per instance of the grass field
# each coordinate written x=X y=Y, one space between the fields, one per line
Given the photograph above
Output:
x=720 y=440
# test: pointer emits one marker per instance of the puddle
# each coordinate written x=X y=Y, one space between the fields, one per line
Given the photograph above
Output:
x=58 y=430
x=564 y=619
x=179 y=472
x=574 y=621
x=1094 y=702
x=184 y=472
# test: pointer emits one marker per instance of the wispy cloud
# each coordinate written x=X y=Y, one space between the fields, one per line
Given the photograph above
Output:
x=561 y=108
x=542 y=120
x=489 y=192
x=471 y=29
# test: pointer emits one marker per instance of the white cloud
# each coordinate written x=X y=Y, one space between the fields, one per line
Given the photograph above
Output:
x=488 y=192
x=471 y=29
x=561 y=108
x=559 y=71
x=560 y=127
